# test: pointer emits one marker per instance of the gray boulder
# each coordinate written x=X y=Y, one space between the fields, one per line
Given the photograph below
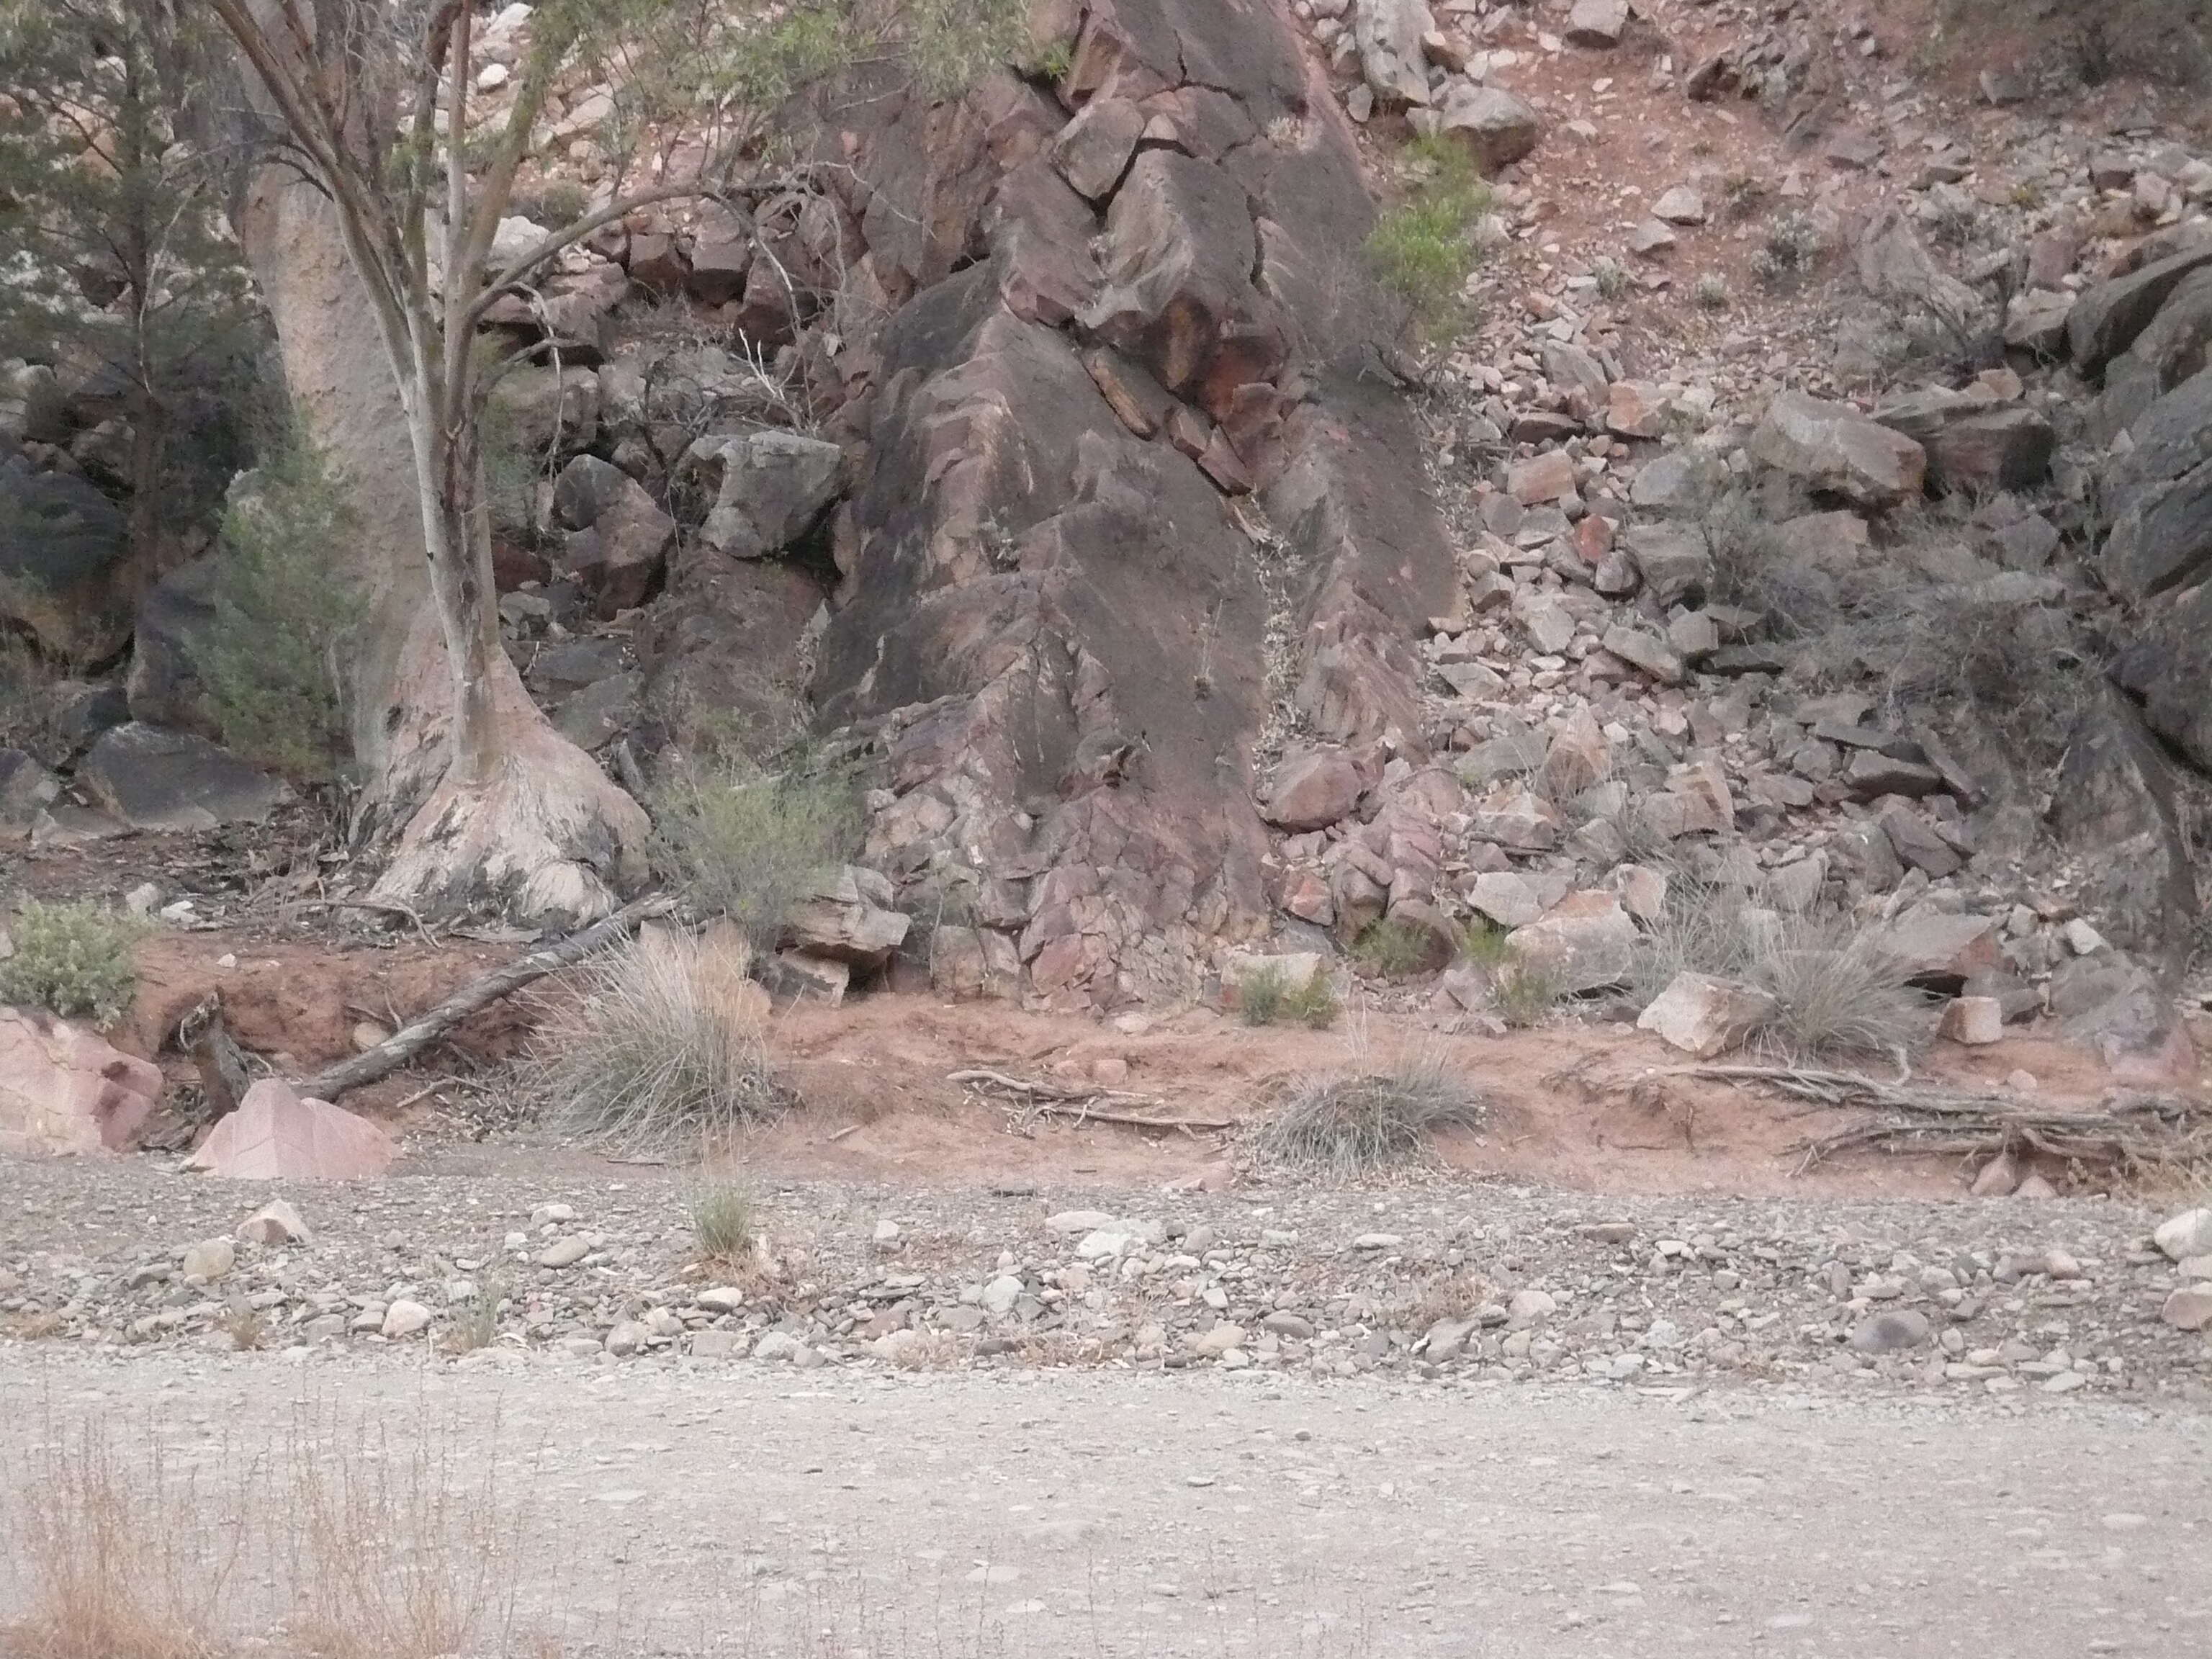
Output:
x=1835 y=448
x=769 y=488
x=2106 y=320
x=1497 y=128
x=174 y=616
x=151 y=779
x=1388 y=35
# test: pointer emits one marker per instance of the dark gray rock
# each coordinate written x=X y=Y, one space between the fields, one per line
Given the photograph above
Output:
x=2106 y=320
x=26 y=789
x=175 y=617
x=151 y=779
x=65 y=566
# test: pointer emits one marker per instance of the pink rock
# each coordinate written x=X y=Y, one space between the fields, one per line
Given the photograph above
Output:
x=274 y=1135
x=1314 y=790
x=65 y=1090
x=1976 y=1022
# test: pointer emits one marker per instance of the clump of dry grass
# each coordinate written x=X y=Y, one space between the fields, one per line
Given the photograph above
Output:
x=400 y=1549
x=665 y=1047
x=725 y=1222
x=1836 y=992
x=122 y=1563
x=1369 y=1117
x=345 y=1541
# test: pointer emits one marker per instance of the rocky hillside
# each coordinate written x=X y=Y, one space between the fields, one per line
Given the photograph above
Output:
x=1813 y=507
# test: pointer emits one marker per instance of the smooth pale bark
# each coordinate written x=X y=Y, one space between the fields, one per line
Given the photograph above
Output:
x=482 y=804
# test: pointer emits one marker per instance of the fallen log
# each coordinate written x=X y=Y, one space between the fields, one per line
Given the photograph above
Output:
x=410 y=1040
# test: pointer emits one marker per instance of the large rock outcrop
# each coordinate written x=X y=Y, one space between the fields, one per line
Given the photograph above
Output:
x=1122 y=499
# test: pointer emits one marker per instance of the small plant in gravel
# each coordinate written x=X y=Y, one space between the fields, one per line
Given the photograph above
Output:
x=664 y=1049
x=1712 y=292
x=725 y=1222
x=1792 y=248
x=74 y=959
x=1268 y=998
x=475 y=1323
x=1368 y=1118
x=1612 y=277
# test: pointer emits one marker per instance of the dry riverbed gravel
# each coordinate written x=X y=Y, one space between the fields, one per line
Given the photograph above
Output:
x=533 y=1257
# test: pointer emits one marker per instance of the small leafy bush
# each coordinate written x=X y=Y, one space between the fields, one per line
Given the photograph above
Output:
x=1792 y=249
x=1712 y=292
x=663 y=1050
x=1611 y=277
x=282 y=615
x=1422 y=250
x=746 y=845
x=1368 y=1118
x=75 y=960
x=1268 y=998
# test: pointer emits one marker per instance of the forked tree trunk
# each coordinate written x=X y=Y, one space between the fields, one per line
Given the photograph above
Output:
x=482 y=804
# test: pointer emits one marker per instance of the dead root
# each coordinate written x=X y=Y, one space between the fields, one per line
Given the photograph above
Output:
x=2134 y=1133
x=1027 y=1099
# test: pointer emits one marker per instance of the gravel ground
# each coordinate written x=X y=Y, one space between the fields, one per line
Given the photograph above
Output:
x=559 y=1260
x=751 y=1510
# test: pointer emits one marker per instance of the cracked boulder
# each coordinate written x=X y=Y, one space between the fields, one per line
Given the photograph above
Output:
x=769 y=488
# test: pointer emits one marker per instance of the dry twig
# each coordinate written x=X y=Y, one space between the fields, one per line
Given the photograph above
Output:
x=1036 y=1098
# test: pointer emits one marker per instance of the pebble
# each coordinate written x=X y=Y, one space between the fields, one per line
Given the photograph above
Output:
x=405 y=1318
x=564 y=1252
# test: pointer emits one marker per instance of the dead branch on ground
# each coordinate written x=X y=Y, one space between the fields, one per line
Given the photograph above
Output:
x=1030 y=1098
x=2136 y=1131
x=412 y=1039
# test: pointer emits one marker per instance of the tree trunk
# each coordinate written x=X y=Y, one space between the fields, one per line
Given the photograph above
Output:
x=481 y=803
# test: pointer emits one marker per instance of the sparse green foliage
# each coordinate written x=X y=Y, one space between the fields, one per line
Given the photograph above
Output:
x=1523 y=992
x=1611 y=277
x=74 y=959
x=663 y=1049
x=1392 y=949
x=1267 y=997
x=1712 y=291
x=1368 y=1118
x=1791 y=249
x=1052 y=62
x=475 y=1323
x=24 y=679
x=114 y=252
x=1423 y=250
x=746 y=845
x=725 y=1220
x=282 y=615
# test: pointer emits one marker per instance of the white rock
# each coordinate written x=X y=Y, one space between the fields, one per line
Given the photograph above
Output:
x=1078 y=1221
x=2081 y=938
x=1705 y=1016
x=780 y=1344
x=721 y=1299
x=2186 y=1234
x=1099 y=1245
x=206 y=1263
x=564 y=1252
x=405 y=1318
x=1001 y=1293
x=275 y=1223
x=1377 y=1241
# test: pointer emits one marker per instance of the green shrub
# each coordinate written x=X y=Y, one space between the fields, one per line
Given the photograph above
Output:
x=1370 y=1118
x=283 y=616
x=663 y=1050
x=74 y=959
x=1267 y=998
x=1393 y=949
x=1612 y=278
x=1422 y=250
x=1523 y=992
x=747 y=845
x=724 y=1221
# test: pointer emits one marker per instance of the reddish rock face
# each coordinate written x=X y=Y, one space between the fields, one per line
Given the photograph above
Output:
x=64 y=1089
x=1055 y=617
